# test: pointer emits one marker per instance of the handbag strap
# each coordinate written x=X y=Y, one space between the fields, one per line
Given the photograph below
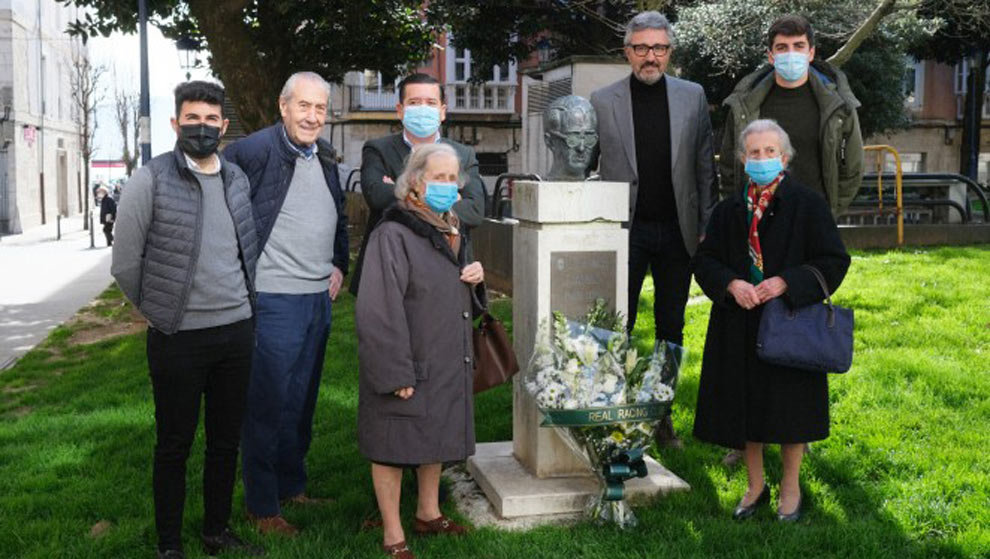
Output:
x=821 y=281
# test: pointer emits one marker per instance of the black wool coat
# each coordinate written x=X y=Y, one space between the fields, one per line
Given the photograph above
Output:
x=740 y=397
x=414 y=326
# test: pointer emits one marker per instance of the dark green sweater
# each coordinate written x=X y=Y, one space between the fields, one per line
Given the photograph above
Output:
x=796 y=111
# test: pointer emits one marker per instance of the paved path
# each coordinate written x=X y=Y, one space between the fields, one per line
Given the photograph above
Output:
x=43 y=282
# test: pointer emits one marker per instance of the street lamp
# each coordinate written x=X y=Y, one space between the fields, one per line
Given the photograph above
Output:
x=188 y=48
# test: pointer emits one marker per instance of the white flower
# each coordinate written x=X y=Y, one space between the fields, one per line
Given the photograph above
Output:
x=609 y=384
x=631 y=358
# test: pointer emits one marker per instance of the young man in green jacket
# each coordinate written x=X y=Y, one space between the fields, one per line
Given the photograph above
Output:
x=812 y=102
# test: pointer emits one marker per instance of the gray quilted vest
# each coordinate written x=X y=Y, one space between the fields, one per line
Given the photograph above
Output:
x=172 y=246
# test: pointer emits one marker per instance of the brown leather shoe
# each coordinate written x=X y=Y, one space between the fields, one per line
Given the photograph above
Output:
x=303 y=499
x=398 y=551
x=273 y=525
x=439 y=525
x=665 y=435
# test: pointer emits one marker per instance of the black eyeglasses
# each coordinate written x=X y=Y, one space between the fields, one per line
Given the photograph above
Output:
x=658 y=49
x=574 y=139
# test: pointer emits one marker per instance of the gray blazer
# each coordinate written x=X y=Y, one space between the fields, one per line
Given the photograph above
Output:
x=691 y=152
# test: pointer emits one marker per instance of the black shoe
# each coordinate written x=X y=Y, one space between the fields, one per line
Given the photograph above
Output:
x=228 y=541
x=171 y=554
x=744 y=512
x=792 y=516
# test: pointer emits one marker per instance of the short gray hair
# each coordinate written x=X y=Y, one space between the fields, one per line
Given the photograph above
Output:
x=416 y=167
x=765 y=125
x=290 y=84
x=648 y=20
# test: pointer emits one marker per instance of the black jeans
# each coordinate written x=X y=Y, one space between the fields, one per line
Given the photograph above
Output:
x=185 y=367
x=108 y=233
x=660 y=247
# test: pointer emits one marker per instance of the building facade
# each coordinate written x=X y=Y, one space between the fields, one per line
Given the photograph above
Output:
x=40 y=161
x=936 y=95
x=485 y=116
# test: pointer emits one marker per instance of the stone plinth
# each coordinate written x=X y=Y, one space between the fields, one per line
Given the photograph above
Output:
x=569 y=249
x=515 y=492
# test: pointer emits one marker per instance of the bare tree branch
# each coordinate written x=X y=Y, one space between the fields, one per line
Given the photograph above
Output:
x=86 y=95
x=843 y=55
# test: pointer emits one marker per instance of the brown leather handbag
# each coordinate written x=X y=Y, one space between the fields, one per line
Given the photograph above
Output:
x=494 y=360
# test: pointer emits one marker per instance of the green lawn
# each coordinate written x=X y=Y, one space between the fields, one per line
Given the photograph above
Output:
x=904 y=474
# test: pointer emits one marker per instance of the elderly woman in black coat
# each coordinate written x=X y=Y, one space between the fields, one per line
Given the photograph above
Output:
x=418 y=296
x=754 y=249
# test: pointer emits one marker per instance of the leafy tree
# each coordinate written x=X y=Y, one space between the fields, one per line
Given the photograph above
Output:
x=720 y=41
x=254 y=46
x=964 y=33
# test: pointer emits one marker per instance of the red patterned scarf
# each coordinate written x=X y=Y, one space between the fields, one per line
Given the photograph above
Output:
x=758 y=198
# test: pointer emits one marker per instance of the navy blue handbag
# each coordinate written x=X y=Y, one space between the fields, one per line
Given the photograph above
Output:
x=818 y=337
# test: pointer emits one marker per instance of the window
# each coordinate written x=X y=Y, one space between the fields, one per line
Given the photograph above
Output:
x=910 y=163
x=914 y=83
x=494 y=164
x=983 y=175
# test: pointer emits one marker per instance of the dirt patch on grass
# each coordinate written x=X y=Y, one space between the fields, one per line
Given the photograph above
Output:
x=102 y=320
x=99 y=529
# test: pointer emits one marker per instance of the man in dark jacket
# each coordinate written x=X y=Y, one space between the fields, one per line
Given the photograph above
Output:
x=302 y=232
x=108 y=213
x=185 y=257
x=811 y=100
x=421 y=109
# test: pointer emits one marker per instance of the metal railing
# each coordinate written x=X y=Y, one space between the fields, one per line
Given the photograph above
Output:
x=882 y=151
x=363 y=98
x=918 y=181
x=500 y=203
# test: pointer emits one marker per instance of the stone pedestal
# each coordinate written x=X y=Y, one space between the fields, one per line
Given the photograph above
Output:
x=568 y=249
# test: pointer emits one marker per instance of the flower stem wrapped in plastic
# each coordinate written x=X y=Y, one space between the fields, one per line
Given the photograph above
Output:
x=604 y=398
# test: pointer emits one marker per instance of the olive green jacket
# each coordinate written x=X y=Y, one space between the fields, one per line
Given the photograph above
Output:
x=841 y=140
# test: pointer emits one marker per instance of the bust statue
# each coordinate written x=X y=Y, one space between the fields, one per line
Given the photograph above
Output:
x=570 y=129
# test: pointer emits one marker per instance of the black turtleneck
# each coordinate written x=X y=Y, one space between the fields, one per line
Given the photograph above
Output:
x=651 y=123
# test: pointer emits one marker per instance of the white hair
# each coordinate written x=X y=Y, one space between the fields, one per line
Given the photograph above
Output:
x=765 y=125
x=290 y=84
x=648 y=20
x=416 y=167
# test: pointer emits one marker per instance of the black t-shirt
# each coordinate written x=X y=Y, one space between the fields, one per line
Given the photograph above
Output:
x=651 y=123
x=796 y=111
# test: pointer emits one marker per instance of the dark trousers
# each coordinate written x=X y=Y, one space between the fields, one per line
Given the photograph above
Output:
x=660 y=247
x=292 y=335
x=108 y=233
x=185 y=367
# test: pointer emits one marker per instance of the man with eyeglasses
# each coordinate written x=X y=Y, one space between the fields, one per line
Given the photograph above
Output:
x=655 y=134
x=421 y=109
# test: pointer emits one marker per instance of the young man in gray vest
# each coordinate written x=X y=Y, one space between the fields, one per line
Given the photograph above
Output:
x=302 y=238
x=185 y=256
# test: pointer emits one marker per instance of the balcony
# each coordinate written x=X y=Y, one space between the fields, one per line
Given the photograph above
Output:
x=363 y=98
x=486 y=98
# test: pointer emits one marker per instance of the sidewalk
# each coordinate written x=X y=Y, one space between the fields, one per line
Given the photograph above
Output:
x=43 y=282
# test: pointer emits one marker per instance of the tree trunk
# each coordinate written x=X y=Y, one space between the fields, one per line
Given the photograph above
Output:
x=253 y=84
x=843 y=55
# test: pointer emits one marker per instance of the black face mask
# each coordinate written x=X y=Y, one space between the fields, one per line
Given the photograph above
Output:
x=199 y=140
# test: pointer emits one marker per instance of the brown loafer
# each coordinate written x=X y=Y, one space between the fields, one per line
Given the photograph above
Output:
x=440 y=525
x=303 y=499
x=273 y=525
x=398 y=551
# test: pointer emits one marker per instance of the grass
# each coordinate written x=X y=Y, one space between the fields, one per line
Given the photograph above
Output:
x=904 y=474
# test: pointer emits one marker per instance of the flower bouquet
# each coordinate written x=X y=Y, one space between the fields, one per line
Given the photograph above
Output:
x=604 y=398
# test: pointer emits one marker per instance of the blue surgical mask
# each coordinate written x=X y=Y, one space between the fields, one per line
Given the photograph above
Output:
x=440 y=196
x=791 y=66
x=763 y=171
x=421 y=121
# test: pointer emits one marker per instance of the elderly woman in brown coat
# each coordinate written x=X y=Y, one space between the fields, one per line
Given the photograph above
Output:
x=414 y=322
x=757 y=245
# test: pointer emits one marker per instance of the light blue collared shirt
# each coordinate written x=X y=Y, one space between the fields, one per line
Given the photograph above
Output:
x=306 y=153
